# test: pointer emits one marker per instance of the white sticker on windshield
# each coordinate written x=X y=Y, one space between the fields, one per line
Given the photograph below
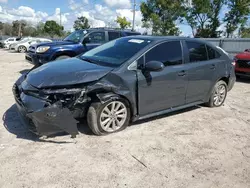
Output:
x=84 y=32
x=138 y=41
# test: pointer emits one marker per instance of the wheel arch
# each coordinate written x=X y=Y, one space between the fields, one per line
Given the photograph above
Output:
x=61 y=53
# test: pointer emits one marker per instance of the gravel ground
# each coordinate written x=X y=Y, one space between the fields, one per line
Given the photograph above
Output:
x=197 y=147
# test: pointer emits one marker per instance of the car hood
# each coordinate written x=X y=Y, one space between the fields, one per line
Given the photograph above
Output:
x=243 y=56
x=58 y=43
x=66 y=72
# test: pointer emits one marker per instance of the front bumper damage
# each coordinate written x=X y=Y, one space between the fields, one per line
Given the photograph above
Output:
x=45 y=118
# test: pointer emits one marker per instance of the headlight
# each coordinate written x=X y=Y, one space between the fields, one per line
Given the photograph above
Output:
x=42 y=49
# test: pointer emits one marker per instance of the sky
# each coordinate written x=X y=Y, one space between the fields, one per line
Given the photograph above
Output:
x=100 y=13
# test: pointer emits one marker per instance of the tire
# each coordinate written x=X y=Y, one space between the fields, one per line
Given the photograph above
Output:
x=22 y=49
x=217 y=99
x=62 y=57
x=96 y=122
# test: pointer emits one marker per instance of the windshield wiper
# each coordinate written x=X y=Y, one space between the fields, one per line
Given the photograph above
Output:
x=88 y=60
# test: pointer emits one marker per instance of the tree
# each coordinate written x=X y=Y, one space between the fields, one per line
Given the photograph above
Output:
x=245 y=32
x=52 y=28
x=203 y=17
x=81 y=23
x=7 y=29
x=237 y=16
x=122 y=21
x=163 y=15
x=18 y=27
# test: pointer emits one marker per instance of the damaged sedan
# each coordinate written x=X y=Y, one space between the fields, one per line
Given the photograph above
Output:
x=122 y=81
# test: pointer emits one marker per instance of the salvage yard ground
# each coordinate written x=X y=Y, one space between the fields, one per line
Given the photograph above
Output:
x=198 y=147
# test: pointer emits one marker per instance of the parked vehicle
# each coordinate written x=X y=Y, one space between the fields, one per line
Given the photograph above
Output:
x=10 y=41
x=2 y=39
x=23 y=46
x=76 y=43
x=125 y=80
x=242 y=64
x=12 y=46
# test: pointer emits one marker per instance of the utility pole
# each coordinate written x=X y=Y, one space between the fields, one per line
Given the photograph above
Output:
x=60 y=18
x=134 y=7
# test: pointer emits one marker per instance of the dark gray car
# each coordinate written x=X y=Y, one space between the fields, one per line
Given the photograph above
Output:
x=121 y=81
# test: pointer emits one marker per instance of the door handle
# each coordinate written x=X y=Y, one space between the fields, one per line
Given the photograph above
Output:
x=182 y=73
x=212 y=66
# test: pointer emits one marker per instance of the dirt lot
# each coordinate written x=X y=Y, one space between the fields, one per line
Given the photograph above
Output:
x=199 y=147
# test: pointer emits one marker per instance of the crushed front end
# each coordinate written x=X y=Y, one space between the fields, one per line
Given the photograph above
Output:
x=50 y=110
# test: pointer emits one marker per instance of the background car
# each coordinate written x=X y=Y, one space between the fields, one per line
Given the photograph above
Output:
x=10 y=41
x=76 y=43
x=2 y=39
x=22 y=47
x=12 y=46
x=242 y=64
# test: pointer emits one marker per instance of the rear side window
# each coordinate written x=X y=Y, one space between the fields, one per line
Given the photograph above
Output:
x=131 y=34
x=197 y=51
x=169 y=53
x=11 y=39
x=113 y=35
x=212 y=54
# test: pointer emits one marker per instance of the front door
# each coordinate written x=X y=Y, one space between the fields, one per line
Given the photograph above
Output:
x=162 y=90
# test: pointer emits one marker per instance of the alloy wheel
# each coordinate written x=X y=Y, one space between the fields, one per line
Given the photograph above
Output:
x=219 y=95
x=113 y=116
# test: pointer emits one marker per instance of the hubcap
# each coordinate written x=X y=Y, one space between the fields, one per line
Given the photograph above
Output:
x=113 y=116
x=219 y=95
x=22 y=49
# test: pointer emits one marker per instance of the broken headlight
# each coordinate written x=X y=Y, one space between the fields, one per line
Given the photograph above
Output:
x=65 y=96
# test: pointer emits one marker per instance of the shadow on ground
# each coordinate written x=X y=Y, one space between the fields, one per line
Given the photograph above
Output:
x=14 y=125
x=243 y=80
x=166 y=115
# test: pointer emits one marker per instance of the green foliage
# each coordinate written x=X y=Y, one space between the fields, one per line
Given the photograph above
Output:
x=245 y=32
x=237 y=16
x=18 y=27
x=81 y=23
x=52 y=28
x=122 y=21
x=162 y=15
x=203 y=17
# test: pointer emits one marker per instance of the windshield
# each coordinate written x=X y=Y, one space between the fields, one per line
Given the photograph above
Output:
x=116 y=52
x=76 y=36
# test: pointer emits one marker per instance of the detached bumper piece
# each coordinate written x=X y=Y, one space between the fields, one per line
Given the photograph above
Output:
x=52 y=120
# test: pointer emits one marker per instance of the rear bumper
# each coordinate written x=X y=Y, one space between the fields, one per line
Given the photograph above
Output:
x=37 y=59
x=231 y=82
x=242 y=71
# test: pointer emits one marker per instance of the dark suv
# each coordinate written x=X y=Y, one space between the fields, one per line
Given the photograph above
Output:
x=124 y=80
x=76 y=43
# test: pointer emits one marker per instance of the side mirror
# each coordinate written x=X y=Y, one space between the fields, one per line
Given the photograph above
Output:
x=86 y=40
x=154 y=66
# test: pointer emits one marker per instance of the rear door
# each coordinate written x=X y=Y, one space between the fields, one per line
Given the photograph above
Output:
x=165 y=89
x=201 y=70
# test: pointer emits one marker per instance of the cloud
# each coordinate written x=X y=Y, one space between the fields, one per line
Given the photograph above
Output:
x=3 y=1
x=118 y=3
x=22 y=13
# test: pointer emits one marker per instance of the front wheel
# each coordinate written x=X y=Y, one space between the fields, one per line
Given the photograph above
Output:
x=218 y=95
x=110 y=117
x=22 y=49
x=62 y=57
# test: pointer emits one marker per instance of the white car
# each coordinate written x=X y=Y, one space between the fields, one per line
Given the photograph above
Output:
x=10 y=41
x=25 y=39
x=24 y=46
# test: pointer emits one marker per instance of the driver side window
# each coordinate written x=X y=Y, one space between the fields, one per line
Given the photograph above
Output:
x=97 y=37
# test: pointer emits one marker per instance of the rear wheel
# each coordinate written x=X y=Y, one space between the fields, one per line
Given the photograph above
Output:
x=22 y=49
x=110 y=117
x=218 y=95
x=62 y=57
